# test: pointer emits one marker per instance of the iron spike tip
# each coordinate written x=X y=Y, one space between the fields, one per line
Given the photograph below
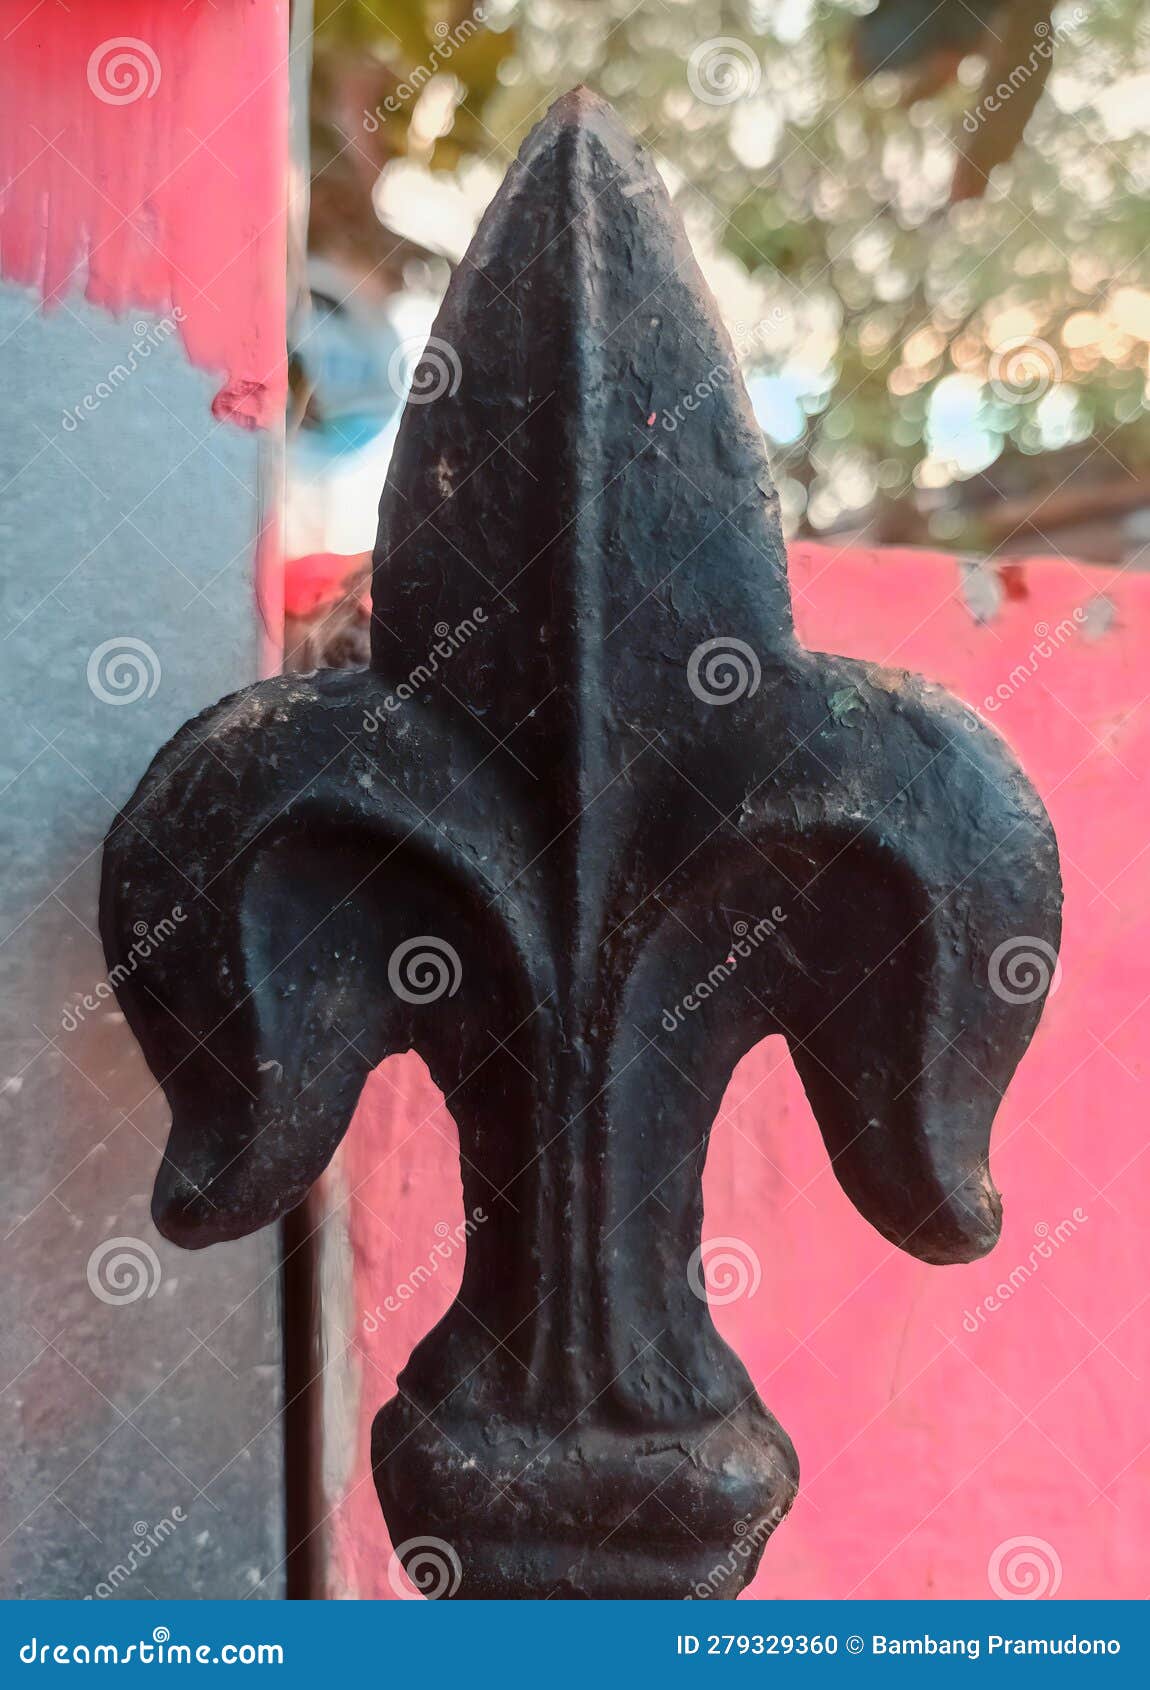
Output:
x=578 y=444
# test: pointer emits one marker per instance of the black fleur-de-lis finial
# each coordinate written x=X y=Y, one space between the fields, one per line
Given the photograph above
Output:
x=591 y=826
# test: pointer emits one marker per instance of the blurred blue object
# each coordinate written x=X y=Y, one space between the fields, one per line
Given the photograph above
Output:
x=347 y=355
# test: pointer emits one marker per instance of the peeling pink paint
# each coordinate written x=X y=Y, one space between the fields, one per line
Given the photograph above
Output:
x=925 y=1445
x=143 y=152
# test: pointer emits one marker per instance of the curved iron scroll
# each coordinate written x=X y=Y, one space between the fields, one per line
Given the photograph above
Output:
x=591 y=826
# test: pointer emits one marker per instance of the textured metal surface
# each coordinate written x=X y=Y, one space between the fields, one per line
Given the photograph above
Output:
x=128 y=545
x=527 y=857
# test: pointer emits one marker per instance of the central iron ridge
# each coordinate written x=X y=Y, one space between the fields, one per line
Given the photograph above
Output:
x=518 y=859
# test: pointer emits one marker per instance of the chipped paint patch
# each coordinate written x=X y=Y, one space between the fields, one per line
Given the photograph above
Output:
x=154 y=176
x=1098 y=617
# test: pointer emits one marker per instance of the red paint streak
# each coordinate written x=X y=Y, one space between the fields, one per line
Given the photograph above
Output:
x=918 y=1458
x=1013 y=578
x=172 y=200
x=320 y=580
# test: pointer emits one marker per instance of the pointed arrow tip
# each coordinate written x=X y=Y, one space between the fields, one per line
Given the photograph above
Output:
x=579 y=108
x=579 y=117
x=578 y=427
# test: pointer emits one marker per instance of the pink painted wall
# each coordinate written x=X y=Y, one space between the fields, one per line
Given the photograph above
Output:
x=144 y=163
x=925 y=1445
x=144 y=153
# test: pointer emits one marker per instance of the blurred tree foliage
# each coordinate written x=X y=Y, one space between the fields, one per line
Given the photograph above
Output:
x=947 y=293
x=374 y=62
